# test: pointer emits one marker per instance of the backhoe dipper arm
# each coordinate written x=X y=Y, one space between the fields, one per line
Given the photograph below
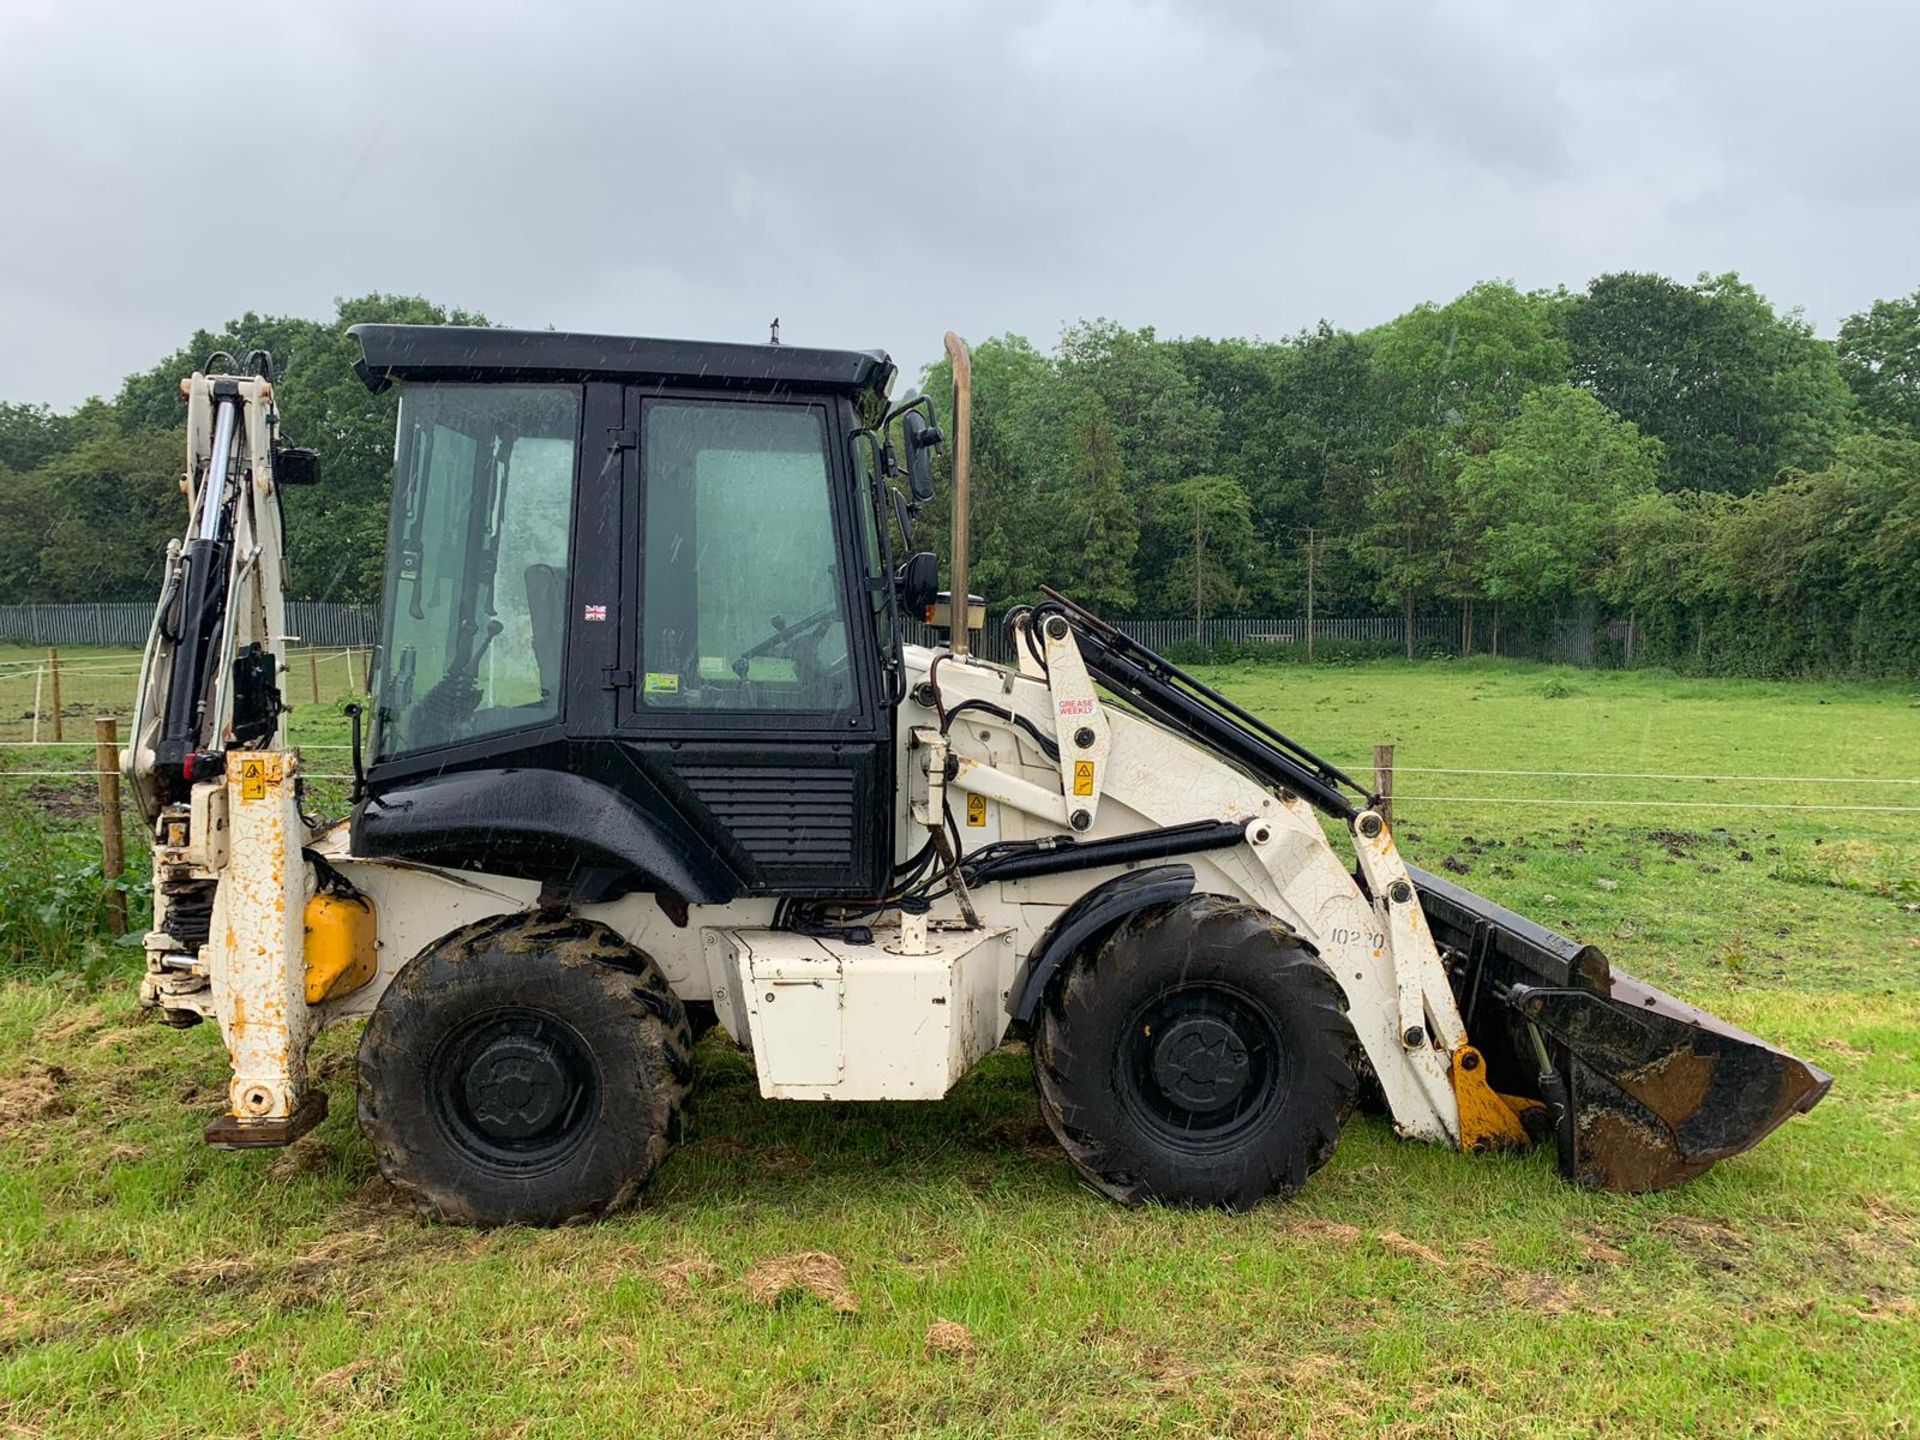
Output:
x=210 y=767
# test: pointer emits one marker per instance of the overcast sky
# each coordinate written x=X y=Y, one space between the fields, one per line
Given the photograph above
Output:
x=876 y=174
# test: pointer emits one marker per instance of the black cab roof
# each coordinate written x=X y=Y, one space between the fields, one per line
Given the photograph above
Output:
x=483 y=353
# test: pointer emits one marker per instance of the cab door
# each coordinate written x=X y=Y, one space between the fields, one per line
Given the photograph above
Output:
x=750 y=686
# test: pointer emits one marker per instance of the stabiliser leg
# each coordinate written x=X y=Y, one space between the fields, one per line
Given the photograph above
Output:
x=257 y=948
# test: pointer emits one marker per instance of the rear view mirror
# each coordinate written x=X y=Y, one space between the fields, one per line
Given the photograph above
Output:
x=918 y=583
x=296 y=467
x=921 y=436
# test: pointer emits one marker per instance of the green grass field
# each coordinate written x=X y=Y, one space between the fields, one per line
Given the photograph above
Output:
x=901 y=1270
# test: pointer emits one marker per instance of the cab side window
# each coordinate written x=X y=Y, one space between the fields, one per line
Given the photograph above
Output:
x=743 y=604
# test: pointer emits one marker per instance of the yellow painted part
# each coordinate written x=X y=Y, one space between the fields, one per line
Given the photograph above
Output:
x=1488 y=1120
x=340 y=953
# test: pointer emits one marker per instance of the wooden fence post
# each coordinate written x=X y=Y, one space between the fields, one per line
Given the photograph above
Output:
x=313 y=671
x=353 y=679
x=1383 y=780
x=113 y=853
x=53 y=664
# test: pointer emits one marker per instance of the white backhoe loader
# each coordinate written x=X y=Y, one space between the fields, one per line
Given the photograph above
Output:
x=649 y=752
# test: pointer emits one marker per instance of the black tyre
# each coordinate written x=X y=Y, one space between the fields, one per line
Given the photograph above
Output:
x=525 y=1070
x=1201 y=1055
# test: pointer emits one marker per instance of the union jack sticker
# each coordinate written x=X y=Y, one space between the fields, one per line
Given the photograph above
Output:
x=595 y=612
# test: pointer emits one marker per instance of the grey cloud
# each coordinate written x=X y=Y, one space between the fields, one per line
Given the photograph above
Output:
x=1219 y=167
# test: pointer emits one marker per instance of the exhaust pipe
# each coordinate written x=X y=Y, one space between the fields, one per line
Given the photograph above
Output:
x=958 y=578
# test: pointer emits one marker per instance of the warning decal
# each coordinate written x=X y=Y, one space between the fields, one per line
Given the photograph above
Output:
x=976 y=812
x=1083 y=777
x=253 y=779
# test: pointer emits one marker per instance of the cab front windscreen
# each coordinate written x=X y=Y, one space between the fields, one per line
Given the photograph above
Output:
x=473 y=624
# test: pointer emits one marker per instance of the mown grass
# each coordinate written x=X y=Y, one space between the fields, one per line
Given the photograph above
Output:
x=150 y=1286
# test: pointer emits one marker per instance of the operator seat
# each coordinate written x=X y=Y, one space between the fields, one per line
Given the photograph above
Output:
x=547 y=617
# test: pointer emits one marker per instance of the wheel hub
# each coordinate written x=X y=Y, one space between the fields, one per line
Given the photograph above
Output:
x=516 y=1087
x=1200 y=1063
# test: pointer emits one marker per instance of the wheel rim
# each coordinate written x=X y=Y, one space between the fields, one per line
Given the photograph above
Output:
x=1200 y=1066
x=515 y=1089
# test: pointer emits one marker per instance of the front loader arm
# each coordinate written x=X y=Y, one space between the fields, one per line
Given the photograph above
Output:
x=1481 y=1026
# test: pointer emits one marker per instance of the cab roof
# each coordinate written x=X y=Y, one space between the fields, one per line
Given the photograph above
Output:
x=483 y=353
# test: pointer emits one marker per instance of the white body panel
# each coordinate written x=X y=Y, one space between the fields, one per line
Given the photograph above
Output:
x=827 y=1020
x=907 y=1027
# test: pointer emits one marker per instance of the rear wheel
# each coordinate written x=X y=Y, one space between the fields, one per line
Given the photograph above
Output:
x=1201 y=1055
x=525 y=1070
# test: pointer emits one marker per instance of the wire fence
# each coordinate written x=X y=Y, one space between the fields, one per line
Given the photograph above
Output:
x=41 y=694
x=313 y=622
x=1283 y=635
x=323 y=623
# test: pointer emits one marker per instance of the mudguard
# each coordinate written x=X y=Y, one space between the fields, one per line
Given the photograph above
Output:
x=544 y=825
x=1098 y=910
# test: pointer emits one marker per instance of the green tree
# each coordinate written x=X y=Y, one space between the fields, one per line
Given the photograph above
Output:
x=1102 y=532
x=1447 y=378
x=1880 y=358
x=1406 y=528
x=1544 y=499
x=1209 y=576
x=92 y=523
x=336 y=531
x=1301 y=428
x=1735 y=391
x=30 y=435
x=1468 y=364
x=1163 y=427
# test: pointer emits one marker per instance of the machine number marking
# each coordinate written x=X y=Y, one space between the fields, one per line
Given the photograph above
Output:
x=1083 y=777
x=1341 y=935
x=253 y=780
x=976 y=812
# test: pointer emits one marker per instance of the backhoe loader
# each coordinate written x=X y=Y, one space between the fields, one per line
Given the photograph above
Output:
x=649 y=751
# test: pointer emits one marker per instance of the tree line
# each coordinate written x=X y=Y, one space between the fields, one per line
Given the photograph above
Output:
x=1743 y=494
x=1684 y=458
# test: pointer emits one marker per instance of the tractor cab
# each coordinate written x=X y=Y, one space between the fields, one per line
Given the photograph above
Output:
x=640 y=616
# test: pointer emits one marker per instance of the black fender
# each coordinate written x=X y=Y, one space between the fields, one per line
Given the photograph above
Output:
x=1100 y=909
x=546 y=825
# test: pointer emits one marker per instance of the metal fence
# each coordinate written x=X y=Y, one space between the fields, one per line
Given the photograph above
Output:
x=1437 y=632
x=311 y=622
x=357 y=626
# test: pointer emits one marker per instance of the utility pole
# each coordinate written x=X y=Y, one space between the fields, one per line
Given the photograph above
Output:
x=1199 y=611
x=1309 y=592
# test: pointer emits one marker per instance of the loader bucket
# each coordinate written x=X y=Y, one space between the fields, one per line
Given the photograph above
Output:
x=1645 y=1091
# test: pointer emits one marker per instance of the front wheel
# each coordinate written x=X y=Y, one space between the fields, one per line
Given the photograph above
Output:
x=1200 y=1056
x=525 y=1070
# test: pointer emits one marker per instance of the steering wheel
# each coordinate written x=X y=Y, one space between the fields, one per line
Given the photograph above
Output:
x=784 y=635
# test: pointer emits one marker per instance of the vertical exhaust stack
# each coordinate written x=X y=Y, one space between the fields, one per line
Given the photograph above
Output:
x=959 y=581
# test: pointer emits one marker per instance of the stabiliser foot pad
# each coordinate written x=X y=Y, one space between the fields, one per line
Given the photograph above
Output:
x=230 y=1132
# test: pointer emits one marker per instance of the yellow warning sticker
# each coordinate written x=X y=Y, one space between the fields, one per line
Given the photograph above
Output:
x=662 y=684
x=1083 y=777
x=253 y=779
x=976 y=812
